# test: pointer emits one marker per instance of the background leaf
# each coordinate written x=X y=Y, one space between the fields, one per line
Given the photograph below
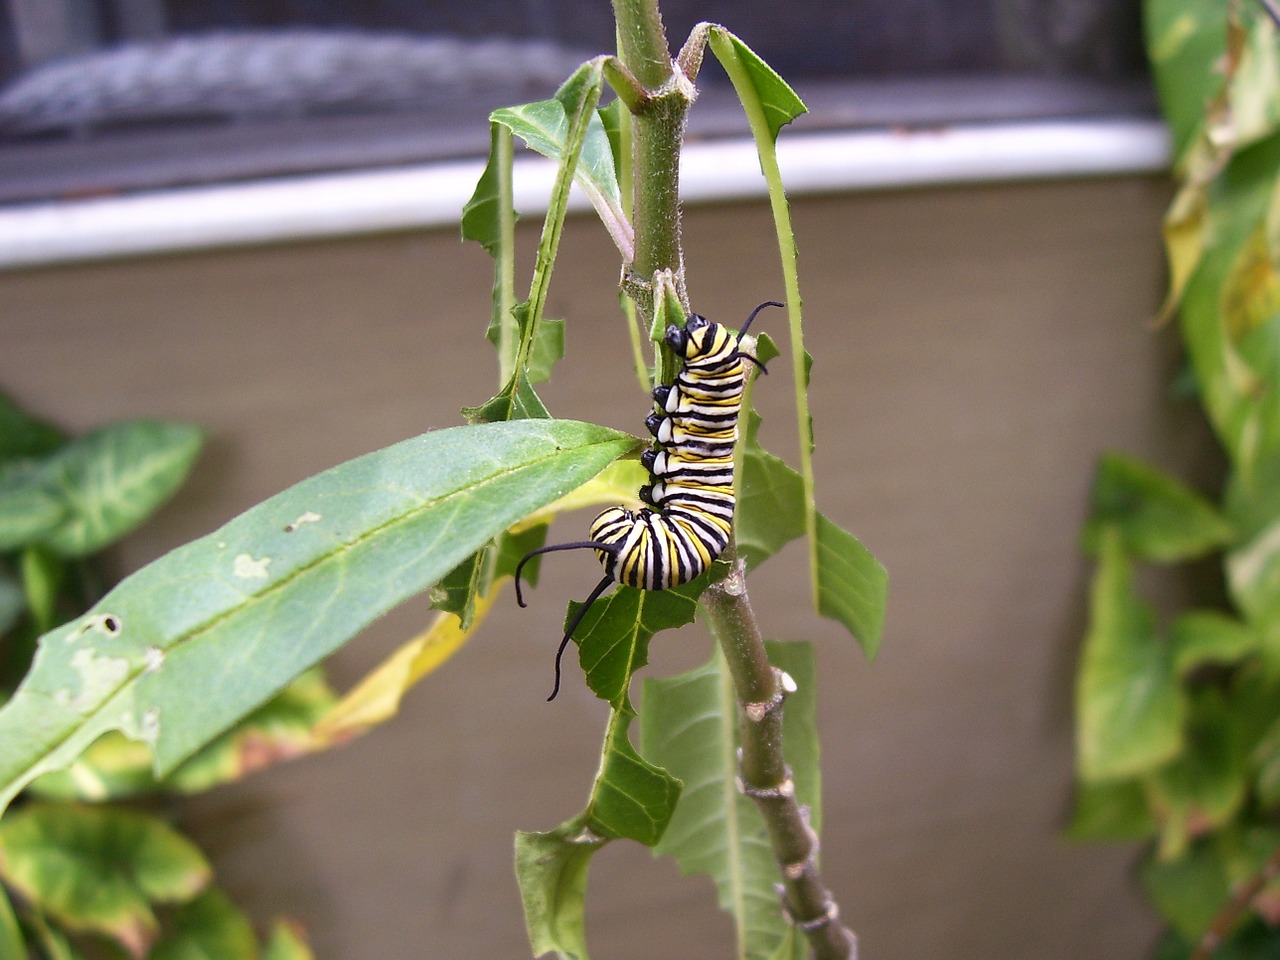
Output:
x=1129 y=708
x=288 y=942
x=112 y=479
x=280 y=587
x=99 y=869
x=210 y=927
x=1114 y=811
x=11 y=943
x=689 y=724
x=1158 y=517
x=22 y=435
x=1185 y=43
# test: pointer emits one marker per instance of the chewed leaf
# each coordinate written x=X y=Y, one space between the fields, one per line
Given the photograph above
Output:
x=614 y=636
x=760 y=87
x=770 y=509
x=631 y=798
x=551 y=869
x=241 y=612
x=689 y=725
x=485 y=215
x=852 y=585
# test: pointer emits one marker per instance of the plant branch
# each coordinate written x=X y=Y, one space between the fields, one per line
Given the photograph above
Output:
x=764 y=775
x=658 y=133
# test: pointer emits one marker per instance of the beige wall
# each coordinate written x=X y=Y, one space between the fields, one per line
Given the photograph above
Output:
x=976 y=349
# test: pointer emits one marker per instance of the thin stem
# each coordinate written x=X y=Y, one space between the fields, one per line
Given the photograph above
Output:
x=766 y=779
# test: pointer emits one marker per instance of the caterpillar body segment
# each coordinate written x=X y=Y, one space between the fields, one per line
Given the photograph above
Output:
x=688 y=520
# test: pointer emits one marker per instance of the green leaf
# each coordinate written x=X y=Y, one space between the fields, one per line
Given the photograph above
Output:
x=551 y=128
x=630 y=798
x=1204 y=786
x=487 y=213
x=99 y=487
x=613 y=639
x=42 y=576
x=759 y=87
x=689 y=725
x=552 y=872
x=1129 y=708
x=1158 y=518
x=1113 y=811
x=277 y=731
x=1186 y=40
x=1201 y=637
x=548 y=348
x=241 y=612
x=288 y=942
x=99 y=869
x=210 y=927
x=852 y=585
x=1189 y=891
x=24 y=436
x=770 y=508
x=515 y=401
x=13 y=604
x=11 y=943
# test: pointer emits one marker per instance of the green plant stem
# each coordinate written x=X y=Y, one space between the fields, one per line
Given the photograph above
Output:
x=657 y=136
x=765 y=778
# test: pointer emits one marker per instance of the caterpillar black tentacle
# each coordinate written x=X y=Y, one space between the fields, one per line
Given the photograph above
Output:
x=688 y=519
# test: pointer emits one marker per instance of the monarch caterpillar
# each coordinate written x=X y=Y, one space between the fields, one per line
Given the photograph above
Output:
x=689 y=516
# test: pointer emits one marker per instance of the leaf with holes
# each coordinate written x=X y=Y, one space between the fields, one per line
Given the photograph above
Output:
x=689 y=725
x=243 y=611
x=631 y=798
x=613 y=638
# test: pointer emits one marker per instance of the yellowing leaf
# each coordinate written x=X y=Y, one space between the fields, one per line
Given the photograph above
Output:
x=376 y=698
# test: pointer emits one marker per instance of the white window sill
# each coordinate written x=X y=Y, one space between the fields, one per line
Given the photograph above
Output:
x=432 y=195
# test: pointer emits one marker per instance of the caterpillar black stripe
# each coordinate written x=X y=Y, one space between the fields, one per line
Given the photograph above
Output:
x=690 y=514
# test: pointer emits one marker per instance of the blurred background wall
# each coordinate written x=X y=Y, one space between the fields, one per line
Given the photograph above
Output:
x=975 y=349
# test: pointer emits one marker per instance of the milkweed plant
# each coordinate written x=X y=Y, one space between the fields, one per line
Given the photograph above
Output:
x=728 y=787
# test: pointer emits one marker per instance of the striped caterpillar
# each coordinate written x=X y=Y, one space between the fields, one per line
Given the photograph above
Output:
x=689 y=517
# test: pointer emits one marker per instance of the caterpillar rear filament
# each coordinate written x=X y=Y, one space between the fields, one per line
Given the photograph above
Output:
x=690 y=514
